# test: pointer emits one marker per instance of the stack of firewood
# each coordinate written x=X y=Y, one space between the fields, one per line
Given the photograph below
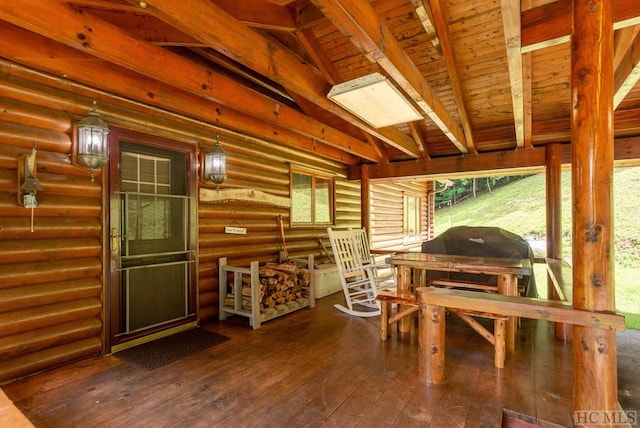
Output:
x=280 y=284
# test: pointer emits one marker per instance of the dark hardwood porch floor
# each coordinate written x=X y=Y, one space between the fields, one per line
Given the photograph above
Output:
x=315 y=367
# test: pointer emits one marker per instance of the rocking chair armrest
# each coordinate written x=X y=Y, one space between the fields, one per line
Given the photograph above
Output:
x=365 y=267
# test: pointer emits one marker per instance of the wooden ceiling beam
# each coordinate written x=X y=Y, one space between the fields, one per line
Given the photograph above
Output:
x=147 y=27
x=34 y=51
x=493 y=162
x=440 y=18
x=425 y=15
x=527 y=94
x=627 y=73
x=381 y=148
x=251 y=49
x=532 y=160
x=622 y=41
x=511 y=25
x=272 y=90
x=527 y=99
x=96 y=37
x=314 y=49
x=101 y=4
x=360 y=22
x=550 y=24
x=417 y=136
x=306 y=15
x=259 y=14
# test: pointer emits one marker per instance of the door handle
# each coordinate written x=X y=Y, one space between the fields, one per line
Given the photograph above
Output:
x=115 y=239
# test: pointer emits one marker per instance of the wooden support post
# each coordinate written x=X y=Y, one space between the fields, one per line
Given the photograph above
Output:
x=594 y=350
x=554 y=222
x=431 y=348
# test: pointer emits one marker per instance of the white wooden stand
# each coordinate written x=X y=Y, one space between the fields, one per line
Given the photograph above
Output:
x=256 y=317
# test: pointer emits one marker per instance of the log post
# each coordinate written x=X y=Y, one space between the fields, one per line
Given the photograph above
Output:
x=403 y=280
x=554 y=222
x=431 y=345
x=508 y=286
x=384 y=319
x=594 y=350
x=499 y=343
x=365 y=199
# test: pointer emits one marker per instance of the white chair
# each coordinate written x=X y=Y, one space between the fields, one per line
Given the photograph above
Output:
x=356 y=275
x=385 y=273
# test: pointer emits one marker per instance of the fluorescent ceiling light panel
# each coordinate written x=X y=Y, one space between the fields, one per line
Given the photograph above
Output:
x=374 y=99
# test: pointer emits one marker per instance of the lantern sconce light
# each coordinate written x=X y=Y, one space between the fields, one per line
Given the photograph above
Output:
x=30 y=183
x=92 y=134
x=215 y=164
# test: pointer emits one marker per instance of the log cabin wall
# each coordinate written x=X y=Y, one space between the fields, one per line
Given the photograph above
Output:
x=262 y=241
x=51 y=280
x=386 y=228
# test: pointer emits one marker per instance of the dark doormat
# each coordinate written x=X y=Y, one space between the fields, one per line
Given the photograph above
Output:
x=160 y=352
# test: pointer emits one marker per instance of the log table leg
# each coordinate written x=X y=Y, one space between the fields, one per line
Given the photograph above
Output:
x=431 y=347
x=404 y=289
x=508 y=286
x=385 y=309
x=498 y=343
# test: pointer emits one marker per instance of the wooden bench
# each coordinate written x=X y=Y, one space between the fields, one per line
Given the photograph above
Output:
x=408 y=304
x=433 y=302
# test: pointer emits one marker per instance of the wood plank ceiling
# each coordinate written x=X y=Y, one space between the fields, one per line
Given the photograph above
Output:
x=488 y=76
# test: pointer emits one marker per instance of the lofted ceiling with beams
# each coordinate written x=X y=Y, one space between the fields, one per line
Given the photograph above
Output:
x=487 y=76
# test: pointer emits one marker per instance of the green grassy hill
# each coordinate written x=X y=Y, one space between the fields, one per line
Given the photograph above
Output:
x=520 y=208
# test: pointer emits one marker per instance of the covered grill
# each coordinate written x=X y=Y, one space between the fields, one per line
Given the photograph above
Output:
x=481 y=241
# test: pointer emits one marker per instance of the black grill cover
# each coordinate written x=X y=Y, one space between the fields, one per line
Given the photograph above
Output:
x=480 y=241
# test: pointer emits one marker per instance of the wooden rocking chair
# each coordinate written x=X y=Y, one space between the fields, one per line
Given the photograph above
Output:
x=356 y=275
x=385 y=273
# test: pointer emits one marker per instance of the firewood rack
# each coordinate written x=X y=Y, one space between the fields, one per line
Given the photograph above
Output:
x=254 y=313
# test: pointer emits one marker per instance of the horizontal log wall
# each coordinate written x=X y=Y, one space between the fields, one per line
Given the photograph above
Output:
x=386 y=227
x=267 y=171
x=51 y=280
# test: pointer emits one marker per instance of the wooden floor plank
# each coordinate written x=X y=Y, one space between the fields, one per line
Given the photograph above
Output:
x=313 y=367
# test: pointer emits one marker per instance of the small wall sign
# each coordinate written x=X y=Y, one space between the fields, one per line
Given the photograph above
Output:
x=235 y=230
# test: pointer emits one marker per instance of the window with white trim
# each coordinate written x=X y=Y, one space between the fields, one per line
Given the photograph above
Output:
x=312 y=197
x=411 y=218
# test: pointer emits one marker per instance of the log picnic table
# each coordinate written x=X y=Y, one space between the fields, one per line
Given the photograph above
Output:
x=433 y=302
x=507 y=271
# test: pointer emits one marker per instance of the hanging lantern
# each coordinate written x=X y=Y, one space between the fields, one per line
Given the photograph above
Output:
x=215 y=164
x=92 y=141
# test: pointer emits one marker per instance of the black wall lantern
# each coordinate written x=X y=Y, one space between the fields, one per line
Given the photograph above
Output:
x=92 y=141
x=215 y=164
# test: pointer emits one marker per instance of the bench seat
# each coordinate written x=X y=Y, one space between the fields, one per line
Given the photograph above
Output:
x=409 y=304
x=433 y=302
